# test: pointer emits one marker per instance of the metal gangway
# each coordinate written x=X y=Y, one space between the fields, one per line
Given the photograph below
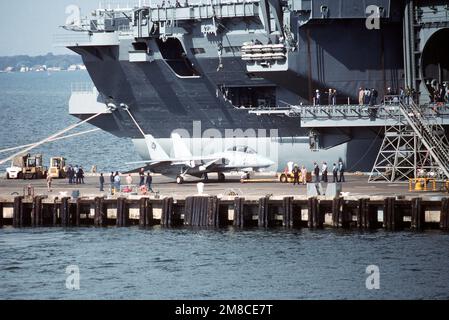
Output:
x=414 y=144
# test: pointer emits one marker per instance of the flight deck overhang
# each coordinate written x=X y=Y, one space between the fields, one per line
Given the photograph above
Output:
x=87 y=39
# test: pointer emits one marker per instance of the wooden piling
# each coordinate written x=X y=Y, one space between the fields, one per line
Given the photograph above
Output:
x=315 y=220
x=1 y=214
x=288 y=219
x=37 y=219
x=341 y=218
x=392 y=217
x=17 y=212
x=76 y=218
x=145 y=212
x=188 y=211
x=142 y=212
x=100 y=216
x=213 y=213
x=444 y=214
x=122 y=213
x=265 y=215
x=418 y=215
x=239 y=218
x=55 y=210
x=167 y=217
x=362 y=213
x=64 y=212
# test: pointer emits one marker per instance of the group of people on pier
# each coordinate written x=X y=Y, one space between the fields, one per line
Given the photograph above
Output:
x=145 y=181
x=320 y=174
x=75 y=174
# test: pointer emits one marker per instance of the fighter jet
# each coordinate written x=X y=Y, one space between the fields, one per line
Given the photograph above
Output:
x=238 y=158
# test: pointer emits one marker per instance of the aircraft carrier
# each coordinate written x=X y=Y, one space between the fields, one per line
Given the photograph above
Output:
x=221 y=72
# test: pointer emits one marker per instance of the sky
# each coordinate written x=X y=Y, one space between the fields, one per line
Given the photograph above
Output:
x=28 y=26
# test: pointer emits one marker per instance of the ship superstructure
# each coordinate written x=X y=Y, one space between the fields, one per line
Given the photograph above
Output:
x=202 y=68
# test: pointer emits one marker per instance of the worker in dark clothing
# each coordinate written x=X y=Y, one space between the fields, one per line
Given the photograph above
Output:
x=316 y=171
x=142 y=177
x=335 y=173
x=296 y=172
x=111 y=179
x=70 y=174
x=101 y=182
x=149 y=182
x=81 y=175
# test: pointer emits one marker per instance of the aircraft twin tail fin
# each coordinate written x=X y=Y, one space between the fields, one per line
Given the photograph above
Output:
x=180 y=149
x=155 y=149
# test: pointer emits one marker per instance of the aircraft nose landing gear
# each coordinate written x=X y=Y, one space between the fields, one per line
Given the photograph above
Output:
x=179 y=180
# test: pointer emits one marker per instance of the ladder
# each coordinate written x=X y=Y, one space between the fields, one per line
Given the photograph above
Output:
x=431 y=134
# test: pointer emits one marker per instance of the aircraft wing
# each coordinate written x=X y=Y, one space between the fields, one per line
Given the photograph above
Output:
x=175 y=161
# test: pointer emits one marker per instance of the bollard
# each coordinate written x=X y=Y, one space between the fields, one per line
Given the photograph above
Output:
x=418 y=215
x=444 y=214
x=239 y=219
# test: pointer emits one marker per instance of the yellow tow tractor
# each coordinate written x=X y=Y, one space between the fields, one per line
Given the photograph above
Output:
x=287 y=175
x=33 y=168
x=58 y=168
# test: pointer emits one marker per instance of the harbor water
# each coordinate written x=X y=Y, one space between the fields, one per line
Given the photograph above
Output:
x=35 y=106
x=185 y=263
x=133 y=263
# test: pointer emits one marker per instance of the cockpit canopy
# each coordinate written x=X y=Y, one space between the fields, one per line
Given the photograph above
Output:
x=243 y=149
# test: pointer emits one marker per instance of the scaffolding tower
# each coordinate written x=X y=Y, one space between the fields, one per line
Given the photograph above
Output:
x=414 y=146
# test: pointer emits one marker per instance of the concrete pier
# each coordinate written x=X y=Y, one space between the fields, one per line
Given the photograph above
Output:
x=264 y=205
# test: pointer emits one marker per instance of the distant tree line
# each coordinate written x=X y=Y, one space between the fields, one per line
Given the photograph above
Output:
x=50 y=60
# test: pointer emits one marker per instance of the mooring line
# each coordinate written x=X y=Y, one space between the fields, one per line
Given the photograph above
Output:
x=52 y=137
x=53 y=140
